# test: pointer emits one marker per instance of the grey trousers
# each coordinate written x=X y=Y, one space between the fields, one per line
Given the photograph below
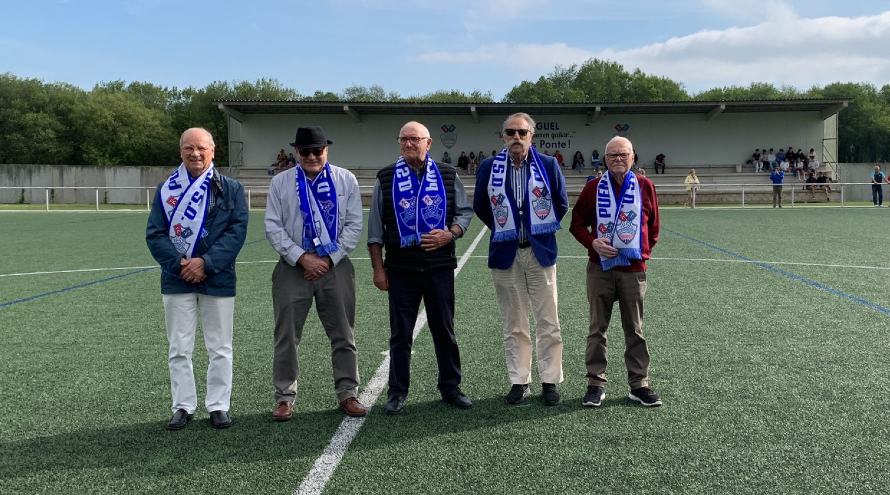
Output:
x=629 y=288
x=334 y=295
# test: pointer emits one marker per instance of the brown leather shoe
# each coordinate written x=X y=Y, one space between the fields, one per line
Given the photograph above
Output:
x=352 y=407
x=283 y=411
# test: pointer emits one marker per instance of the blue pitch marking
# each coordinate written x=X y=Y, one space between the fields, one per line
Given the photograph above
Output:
x=67 y=289
x=793 y=276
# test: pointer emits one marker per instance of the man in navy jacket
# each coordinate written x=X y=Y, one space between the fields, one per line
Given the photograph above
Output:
x=198 y=272
x=520 y=195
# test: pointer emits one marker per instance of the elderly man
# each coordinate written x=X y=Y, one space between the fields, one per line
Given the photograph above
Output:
x=418 y=210
x=521 y=196
x=195 y=230
x=616 y=219
x=313 y=220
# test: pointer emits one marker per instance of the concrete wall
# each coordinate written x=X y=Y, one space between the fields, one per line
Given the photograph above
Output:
x=686 y=139
x=80 y=176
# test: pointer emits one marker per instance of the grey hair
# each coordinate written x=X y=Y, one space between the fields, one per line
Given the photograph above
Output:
x=622 y=139
x=182 y=136
x=521 y=115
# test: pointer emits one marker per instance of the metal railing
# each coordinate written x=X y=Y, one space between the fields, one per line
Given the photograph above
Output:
x=794 y=190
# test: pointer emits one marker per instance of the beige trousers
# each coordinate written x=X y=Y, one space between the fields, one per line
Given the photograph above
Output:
x=528 y=285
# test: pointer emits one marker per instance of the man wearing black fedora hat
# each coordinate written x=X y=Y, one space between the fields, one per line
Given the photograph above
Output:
x=314 y=220
x=418 y=210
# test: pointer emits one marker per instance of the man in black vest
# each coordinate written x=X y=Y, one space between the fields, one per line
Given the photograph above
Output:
x=418 y=210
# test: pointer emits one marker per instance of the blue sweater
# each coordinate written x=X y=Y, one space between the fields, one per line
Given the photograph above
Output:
x=502 y=254
x=226 y=226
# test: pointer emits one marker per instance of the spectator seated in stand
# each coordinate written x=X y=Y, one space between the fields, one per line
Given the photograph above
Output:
x=559 y=159
x=463 y=161
x=660 y=162
x=595 y=160
x=823 y=182
x=578 y=162
x=446 y=158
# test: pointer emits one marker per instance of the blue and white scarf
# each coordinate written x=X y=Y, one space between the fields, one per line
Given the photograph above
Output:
x=540 y=200
x=621 y=222
x=318 y=206
x=420 y=205
x=185 y=204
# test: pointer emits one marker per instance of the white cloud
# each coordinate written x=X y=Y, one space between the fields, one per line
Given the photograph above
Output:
x=530 y=55
x=782 y=50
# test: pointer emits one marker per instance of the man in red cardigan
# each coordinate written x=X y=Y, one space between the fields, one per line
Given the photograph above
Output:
x=618 y=224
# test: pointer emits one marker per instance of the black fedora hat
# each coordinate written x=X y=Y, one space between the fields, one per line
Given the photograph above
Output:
x=311 y=137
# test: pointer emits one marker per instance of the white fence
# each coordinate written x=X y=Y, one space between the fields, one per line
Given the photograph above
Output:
x=118 y=198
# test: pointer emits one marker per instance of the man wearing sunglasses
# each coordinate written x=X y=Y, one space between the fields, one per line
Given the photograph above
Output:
x=521 y=196
x=616 y=219
x=314 y=220
x=418 y=210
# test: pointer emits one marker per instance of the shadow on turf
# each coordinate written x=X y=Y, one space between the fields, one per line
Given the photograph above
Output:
x=431 y=418
x=147 y=449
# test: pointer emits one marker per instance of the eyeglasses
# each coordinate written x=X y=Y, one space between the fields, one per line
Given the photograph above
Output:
x=512 y=132
x=618 y=156
x=411 y=139
x=304 y=152
x=199 y=149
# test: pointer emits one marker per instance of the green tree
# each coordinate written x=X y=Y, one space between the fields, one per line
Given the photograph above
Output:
x=598 y=81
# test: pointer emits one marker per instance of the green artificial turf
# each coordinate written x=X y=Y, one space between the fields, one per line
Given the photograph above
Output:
x=774 y=376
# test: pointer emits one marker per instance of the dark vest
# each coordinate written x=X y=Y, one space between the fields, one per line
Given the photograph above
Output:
x=413 y=258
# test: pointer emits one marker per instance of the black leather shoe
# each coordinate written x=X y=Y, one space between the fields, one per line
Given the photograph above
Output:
x=220 y=420
x=458 y=399
x=180 y=418
x=395 y=405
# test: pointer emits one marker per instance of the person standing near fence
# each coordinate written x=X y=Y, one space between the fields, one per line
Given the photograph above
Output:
x=777 y=176
x=692 y=184
x=877 y=189
x=313 y=221
x=197 y=226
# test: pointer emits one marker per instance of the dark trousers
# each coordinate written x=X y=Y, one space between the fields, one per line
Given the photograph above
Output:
x=629 y=289
x=406 y=290
x=334 y=296
x=877 y=194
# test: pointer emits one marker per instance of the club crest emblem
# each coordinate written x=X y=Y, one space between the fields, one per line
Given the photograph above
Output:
x=541 y=205
x=327 y=210
x=432 y=211
x=449 y=135
x=626 y=229
x=605 y=229
x=172 y=201
x=408 y=213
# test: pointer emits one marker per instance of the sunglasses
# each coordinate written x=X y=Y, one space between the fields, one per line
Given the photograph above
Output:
x=513 y=132
x=304 y=152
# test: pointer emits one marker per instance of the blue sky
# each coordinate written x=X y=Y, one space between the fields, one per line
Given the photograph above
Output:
x=417 y=47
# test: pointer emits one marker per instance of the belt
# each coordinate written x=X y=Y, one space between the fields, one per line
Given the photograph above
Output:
x=524 y=244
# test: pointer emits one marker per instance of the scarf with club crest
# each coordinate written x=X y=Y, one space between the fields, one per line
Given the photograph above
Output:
x=318 y=206
x=185 y=204
x=543 y=221
x=620 y=221
x=420 y=205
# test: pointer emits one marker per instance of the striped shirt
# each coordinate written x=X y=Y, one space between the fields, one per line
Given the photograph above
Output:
x=519 y=182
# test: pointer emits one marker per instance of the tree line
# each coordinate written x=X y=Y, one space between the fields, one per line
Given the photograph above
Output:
x=119 y=123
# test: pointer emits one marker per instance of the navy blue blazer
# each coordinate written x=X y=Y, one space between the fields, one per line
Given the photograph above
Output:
x=501 y=254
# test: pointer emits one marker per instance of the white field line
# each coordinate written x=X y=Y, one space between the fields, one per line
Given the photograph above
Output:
x=656 y=258
x=327 y=462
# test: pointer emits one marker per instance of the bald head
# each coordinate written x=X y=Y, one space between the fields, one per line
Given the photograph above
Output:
x=197 y=131
x=414 y=143
x=196 y=147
